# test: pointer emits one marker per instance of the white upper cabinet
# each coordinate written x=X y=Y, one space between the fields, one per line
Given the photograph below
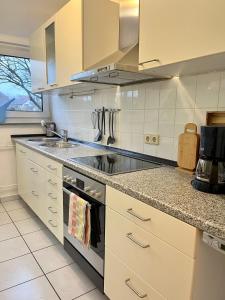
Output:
x=77 y=37
x=175 y=31
x=38 y=58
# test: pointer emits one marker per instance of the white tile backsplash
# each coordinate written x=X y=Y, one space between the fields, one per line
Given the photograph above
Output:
x=152 y=108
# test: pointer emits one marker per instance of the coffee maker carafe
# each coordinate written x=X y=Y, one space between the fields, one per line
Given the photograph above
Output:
x=210 y=170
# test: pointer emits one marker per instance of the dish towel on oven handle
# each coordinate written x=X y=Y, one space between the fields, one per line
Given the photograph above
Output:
x=79 y=224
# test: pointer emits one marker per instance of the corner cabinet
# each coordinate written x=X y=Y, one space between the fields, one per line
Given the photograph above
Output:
x=177 y=31
x=76 y=38
x=40 y=186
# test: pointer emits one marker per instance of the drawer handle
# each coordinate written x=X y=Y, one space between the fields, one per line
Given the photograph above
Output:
x=52 y=182
x=51 y=223
x=34 y=194
x=50 y=196
x=51 y=210
x=33 y=170
x=149 y=61
x=132 y=238
x=131 y=212
x=24 y=152
x=51 y=167
x=129 y=284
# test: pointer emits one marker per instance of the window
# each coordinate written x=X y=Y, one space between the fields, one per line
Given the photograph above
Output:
x=15 y=85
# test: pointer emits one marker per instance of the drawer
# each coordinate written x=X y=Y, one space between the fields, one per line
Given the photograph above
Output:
x=121 y=283
x=22 y=150
x=53 y=183
x=175 y=232
x=54 y=222
x=52 y=167
x=162 y=266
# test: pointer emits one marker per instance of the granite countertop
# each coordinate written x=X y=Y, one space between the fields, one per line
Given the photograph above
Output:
x=164 y=188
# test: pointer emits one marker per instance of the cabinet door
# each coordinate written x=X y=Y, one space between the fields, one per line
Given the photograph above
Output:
x=22 y=175
x=69 y=41
x=50 y=54
x=37 y=52
x=174 y=31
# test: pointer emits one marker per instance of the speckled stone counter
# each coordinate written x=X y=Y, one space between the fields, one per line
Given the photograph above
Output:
x=165 y=188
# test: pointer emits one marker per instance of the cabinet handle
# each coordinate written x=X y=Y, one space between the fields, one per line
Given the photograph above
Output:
x=53 y=84
x=34 y=194
x=51 y=210
x=51 y=182
x=132 y=238
x=24 y=152
x=139 y=294
x=51 y=223
x=51 y=167
x=40 y=89
x=33 y=170
x=134 y=214
x=149 y=61
x=50 y=195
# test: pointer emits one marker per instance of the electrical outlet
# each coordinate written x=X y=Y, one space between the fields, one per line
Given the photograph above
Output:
x=152 y=139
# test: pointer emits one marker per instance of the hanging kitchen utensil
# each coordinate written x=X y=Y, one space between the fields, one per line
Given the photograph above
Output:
x=94 y=119
x=188 y=148
x=109 y=137
x=113 y=137
x=99 y=134
x=103 y=120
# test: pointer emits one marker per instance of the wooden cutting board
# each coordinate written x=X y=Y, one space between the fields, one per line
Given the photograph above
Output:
x=188 y=148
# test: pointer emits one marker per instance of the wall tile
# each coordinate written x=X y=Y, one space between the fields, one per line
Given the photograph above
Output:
x=151 y=121
x=152 y=96
x=207 y=90
x=186 y=92
x=222 y=91
x=168 y=94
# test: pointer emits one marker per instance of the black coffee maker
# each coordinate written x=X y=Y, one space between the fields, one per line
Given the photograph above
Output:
x=210 y=170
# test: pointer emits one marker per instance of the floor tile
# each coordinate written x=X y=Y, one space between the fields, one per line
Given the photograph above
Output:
x=1 y=208
x=37 y=289
x=4 y=218
x=93 y=295
x=14 y=204
x=8 y=231
x=40 y=239
x=12 y=248
x=18 y=270
x=29 y=225
x=21 y=214
x=52 y=258
x=70 y=282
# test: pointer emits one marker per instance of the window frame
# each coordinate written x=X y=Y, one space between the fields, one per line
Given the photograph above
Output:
x=27 y=116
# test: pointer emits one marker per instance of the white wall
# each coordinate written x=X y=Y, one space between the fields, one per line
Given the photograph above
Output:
x=161 y=107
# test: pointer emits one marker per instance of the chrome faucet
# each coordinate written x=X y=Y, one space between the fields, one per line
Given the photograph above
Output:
x=63 y=136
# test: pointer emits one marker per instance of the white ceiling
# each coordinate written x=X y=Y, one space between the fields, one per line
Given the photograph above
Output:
x=22 y=17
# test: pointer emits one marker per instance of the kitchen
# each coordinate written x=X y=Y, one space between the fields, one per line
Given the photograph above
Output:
x=112 y=122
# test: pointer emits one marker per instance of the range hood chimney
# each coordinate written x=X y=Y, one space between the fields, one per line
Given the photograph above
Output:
x=121 y=67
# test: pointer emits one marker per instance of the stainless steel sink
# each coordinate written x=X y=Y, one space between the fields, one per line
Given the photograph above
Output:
x=58 y=144
x=44 y=139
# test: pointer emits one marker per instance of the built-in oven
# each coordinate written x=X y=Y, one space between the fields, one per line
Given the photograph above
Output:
x=90 y=259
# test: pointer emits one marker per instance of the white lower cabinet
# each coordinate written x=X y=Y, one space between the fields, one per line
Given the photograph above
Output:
x=40 y=186
x=143 y=258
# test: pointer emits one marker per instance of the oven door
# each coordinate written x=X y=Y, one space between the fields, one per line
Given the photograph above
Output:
x=95 y=254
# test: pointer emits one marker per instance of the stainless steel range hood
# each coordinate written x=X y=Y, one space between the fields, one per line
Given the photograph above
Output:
x=121 y=68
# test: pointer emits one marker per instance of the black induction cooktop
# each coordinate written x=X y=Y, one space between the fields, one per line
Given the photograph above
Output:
x=113 y=164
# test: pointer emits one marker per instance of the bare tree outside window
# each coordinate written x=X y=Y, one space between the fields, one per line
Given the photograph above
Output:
x=15 y=83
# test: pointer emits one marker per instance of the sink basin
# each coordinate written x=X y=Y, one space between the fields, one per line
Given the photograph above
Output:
x=43 y=139
x=59 y=144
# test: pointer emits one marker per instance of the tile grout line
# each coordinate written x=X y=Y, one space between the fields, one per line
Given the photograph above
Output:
x=20 y=283
x=84 y=294
x=37 y=264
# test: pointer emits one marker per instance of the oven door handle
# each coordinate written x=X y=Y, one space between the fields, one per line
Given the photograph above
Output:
x=66 y=191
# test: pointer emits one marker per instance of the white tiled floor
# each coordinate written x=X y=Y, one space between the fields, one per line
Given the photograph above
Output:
x=33 y=264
